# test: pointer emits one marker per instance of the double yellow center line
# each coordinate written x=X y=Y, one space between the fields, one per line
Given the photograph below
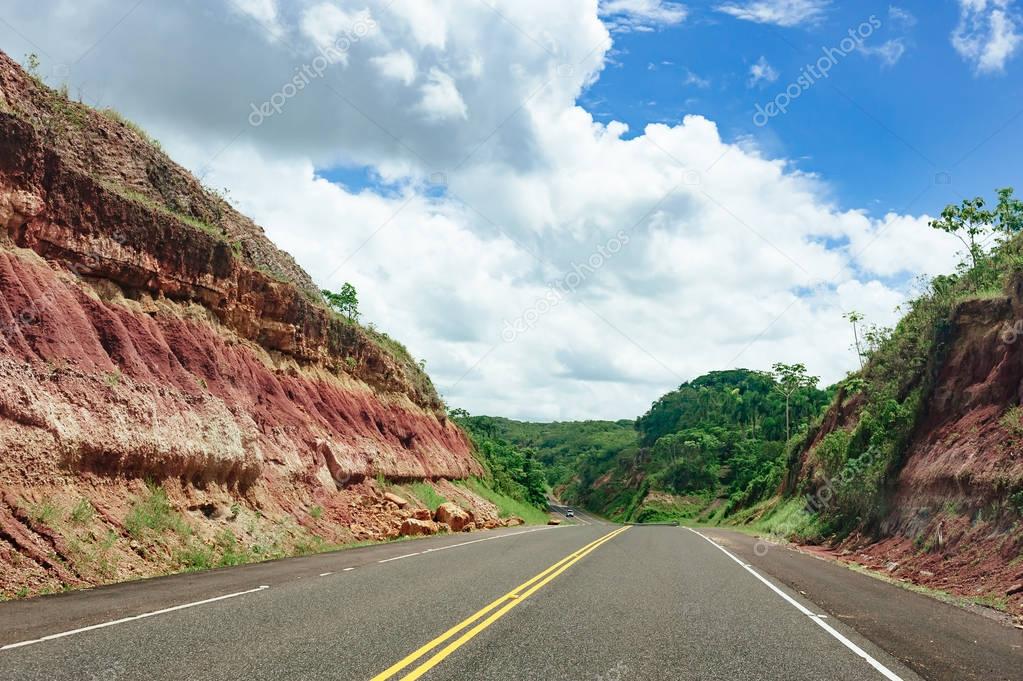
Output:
x=496 y=610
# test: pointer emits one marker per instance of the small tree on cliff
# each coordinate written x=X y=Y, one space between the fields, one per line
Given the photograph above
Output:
x=1009 y=212
x=346 y=301
x=791 y=379
x=968 y=222
x=855 y=318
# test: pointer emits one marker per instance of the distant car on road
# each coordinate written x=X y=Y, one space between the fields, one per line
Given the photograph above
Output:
x=569 y=513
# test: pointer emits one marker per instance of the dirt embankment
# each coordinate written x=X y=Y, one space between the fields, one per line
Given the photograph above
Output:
x=172 y=393
x=954 y=516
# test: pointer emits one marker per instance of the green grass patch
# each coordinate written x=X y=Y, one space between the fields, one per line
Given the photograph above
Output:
x=143 y=200
x=82 y=512
x=44 y=513
x=427 y=494
x=506 y=506
x=1012 y=421
x=115 y=115
x=154 y=513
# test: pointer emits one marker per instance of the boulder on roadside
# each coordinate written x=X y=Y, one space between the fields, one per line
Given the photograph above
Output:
x=453 y=515
x=554 y=521
x=414 y=527
x=514 y=521
x=400 y=502
x=422 y=514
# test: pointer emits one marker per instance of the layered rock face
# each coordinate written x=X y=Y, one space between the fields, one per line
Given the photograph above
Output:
x=151 y=334
x=954 y=514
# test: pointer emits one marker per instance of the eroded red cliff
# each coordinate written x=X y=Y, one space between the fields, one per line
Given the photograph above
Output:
x=952 y=517
x=151 y=334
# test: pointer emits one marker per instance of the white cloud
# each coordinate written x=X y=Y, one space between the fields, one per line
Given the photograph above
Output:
x=626 y=15
x=987 y=34
x=328 y=25
x=441 y=99
x=733 y=257
x=762 y=71
x=888 y=52
x=695 y=80
x=398 y=65
x=900 y=17
x=263 y=11
x=780 y=12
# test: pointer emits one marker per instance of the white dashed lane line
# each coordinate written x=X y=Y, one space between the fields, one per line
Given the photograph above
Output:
x=132 y=618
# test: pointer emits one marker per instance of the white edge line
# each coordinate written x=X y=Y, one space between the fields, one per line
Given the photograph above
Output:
x=326 y=574
x=103 y=625
x=407 y=555
x=887 y=673
x=465 y=543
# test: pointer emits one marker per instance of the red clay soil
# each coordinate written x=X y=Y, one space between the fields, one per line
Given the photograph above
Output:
x=954 y=520
x=150 y=333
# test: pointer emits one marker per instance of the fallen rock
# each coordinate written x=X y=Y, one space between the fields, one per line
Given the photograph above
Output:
x=453 y=515
x=422 y=514
x=554 y=521
x=414 y=527
x=514 y=521
x=400 y=502
x=1014 y=589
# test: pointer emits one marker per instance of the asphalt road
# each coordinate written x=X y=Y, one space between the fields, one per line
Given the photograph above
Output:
x=593 y=601
x=579 y=517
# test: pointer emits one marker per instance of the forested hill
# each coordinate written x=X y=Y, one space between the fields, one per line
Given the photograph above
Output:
x=718 y=436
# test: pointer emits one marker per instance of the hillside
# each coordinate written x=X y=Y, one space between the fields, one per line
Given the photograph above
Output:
x=174 y=392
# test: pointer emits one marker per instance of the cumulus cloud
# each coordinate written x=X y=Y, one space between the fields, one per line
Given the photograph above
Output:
x=441 y=98
x=762 y=71
x=779 y=12
x=988 y=33
x=565 y=267
x=398 y=65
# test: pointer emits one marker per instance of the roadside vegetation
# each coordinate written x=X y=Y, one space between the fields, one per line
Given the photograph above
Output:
x=513 y=471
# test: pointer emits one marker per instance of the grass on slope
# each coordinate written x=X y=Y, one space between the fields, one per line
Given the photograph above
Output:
x=506 y=506
x=427 y=494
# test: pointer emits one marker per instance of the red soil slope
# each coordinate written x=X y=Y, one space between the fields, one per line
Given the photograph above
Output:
x=148 y=332
x=954 y=517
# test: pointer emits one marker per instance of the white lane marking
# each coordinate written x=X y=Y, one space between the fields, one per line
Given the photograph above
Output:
x=465 y=543
x=131 y=619
x=407 y=555
x=477 y=541
x=347 y=569
x=326 y=574
x=887 y=673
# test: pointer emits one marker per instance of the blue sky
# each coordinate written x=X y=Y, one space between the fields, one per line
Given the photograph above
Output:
x=877 y=132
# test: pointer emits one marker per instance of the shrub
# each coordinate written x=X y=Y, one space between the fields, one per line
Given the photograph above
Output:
x=82 y=512
x=153 y=513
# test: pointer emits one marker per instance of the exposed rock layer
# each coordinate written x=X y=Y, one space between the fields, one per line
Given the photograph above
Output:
x=148 y=332
x=954 y=515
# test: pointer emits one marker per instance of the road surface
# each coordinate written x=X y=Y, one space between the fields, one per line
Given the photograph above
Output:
x=589 y=601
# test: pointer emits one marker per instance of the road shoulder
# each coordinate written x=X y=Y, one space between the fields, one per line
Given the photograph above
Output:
x=939 y=641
